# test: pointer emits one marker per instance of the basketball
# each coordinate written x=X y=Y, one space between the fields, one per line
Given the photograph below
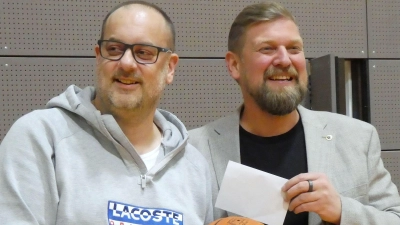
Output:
x=235 y=220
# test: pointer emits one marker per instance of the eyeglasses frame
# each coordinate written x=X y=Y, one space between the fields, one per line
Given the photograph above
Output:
x=130 y=46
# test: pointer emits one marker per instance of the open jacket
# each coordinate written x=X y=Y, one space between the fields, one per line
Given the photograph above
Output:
x=350 y=157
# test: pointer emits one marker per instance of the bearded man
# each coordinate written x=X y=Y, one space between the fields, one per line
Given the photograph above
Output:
x=333 y=162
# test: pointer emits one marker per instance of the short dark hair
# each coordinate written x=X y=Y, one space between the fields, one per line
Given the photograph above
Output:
x=267 y=11
x=158 y=9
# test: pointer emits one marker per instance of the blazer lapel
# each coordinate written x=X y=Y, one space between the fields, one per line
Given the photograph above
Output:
x=320 y=143
x=224 y=145
x=320 y=140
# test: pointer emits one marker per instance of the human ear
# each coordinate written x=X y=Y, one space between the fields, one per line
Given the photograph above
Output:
x=97 y=53
x=232 y=61
x=173 y=62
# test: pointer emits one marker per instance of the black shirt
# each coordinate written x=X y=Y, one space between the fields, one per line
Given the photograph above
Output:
x=283 y=155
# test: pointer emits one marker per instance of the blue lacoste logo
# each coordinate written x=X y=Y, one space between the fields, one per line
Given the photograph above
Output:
x=124 y=214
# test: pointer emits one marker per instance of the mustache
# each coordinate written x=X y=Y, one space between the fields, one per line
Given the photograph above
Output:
x=124 y=74
x=273 y=71
x=119 y=74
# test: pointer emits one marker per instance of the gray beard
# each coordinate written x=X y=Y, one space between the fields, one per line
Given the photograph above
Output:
x=279 y=103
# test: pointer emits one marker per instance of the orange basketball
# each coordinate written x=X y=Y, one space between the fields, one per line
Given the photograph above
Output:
x=235 y=220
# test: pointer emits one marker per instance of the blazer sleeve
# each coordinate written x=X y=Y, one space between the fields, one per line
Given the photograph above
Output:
x=382 y=195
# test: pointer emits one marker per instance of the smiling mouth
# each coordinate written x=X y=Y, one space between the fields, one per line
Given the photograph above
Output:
x=280 y=78
x=123 y=81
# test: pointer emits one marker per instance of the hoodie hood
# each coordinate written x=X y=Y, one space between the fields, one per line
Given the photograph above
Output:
x=78 y=101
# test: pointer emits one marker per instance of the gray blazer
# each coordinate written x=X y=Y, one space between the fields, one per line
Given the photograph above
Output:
x=350 y=158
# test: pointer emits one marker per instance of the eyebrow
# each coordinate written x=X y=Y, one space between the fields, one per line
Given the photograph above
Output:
x=116 y=39
x=292 y=42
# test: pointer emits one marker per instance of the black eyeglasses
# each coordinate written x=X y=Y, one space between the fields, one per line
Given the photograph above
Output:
x=142 y=53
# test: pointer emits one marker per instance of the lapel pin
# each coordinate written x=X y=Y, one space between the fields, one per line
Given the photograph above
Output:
x=328 y=137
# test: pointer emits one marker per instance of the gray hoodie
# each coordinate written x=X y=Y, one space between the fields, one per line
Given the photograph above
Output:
x=68 y=164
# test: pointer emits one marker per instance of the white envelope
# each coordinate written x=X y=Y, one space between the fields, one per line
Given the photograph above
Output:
x=252 y=193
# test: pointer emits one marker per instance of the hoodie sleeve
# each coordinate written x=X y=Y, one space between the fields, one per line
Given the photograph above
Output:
x=27 y=176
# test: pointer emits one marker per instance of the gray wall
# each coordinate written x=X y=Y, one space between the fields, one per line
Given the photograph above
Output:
x=45 y=45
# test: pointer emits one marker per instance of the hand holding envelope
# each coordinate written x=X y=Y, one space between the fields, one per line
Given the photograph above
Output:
x=252 y=193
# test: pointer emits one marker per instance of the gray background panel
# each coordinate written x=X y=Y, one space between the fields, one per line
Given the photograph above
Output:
x=202 y=90
x=383 y=29
x=71 y=28
x=332 y=27
x=385 y=101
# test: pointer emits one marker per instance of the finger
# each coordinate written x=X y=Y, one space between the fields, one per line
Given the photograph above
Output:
x=311 y=206
x=302 y=199
x=297 y=179
x=299 y=188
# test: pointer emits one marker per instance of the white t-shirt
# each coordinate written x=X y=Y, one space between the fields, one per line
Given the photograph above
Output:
x=150 y=158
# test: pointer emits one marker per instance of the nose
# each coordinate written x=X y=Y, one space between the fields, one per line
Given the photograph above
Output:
x=282 y=58
x=127 y=62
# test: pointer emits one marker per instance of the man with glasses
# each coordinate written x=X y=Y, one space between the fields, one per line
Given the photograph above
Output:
x=105 y=154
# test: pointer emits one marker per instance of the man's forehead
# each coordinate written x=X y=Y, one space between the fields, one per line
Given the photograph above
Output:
x=269 y=31
x=134 y=15
x=134 y=10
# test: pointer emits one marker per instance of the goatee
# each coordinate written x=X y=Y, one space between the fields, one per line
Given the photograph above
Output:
x=284 y=100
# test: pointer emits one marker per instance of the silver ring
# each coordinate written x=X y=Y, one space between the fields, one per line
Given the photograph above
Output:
x=310 y=186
